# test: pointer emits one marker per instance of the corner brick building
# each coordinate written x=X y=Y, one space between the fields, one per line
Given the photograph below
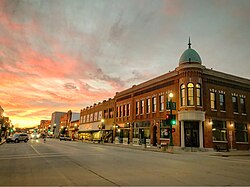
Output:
x=212 y=108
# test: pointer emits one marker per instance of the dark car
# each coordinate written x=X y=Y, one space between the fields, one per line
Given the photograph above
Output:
x=65 y=138
x=17 y=138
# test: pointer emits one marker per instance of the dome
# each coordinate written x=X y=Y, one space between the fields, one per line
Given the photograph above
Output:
x=190 y=55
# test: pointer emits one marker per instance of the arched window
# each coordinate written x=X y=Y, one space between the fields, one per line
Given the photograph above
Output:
x=190 y=94
x=182 y=91
x=198 y=94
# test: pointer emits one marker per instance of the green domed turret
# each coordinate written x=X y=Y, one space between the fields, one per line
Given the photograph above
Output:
x=189 y=55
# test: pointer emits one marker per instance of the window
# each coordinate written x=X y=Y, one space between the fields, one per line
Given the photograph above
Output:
x=137 y=107
x=111 y=112
x=117 y=111
x=95 y=116
x=222 y=102
x=91 y=118
x=213 y=100
x=235 y=104
x=128 y=109
x=198 y=94
x=219 y=130
x=142 y=107
x=182 y=95
x=84 y=119
x=161 y=103
x=120 y=111
x=190 y=94
x=242 y=105
x=124 y=110
x=241 y=132
x=153 y=104
x=148 y=106
x=100 y=115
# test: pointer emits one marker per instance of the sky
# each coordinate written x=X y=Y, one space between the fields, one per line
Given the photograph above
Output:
x=60 y=55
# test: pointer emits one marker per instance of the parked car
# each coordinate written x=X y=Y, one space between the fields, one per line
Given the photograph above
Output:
x=65 y=138
x=17 y=138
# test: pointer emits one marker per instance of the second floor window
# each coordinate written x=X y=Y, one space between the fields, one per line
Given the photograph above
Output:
x=153 y=104
x=243 y=105
x=190 y=95
x=213 y=100
x=137 y=107
x=161 y=102
x=142 y=107
x=148 y=106
x=128 y=109
x=235 y=104
x=183 y=95
x=198 y=94
x=222 y=102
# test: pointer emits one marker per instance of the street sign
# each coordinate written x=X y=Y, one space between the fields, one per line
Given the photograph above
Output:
x=173 y=107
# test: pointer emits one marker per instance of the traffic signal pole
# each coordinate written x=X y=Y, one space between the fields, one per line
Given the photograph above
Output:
x=171 y=117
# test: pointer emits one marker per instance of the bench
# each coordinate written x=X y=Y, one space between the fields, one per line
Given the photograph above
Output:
x=221 y=147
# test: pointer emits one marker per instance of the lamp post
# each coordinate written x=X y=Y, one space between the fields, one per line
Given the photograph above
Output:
x=171 y=95
x=101 y=129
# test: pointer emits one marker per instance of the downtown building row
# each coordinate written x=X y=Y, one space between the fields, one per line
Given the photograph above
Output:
x=211 y=109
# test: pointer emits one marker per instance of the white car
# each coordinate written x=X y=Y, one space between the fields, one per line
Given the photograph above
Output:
x=35 y=136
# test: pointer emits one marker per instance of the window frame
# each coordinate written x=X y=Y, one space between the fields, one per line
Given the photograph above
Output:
x=190 y=94
x=183 y=95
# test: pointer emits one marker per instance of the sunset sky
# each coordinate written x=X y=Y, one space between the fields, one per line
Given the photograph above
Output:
x=60 y=55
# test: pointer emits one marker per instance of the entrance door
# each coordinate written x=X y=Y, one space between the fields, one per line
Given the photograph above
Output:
x=191 y=134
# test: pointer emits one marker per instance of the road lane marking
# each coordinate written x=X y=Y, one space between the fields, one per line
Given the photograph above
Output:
x=35 y=149
x=28 y=157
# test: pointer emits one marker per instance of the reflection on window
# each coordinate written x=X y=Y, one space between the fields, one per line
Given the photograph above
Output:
x=142 y=106
x=182 y=95
x=190 y=94
x=241 y=132
x=243 y=105
x=235 y=104
x=148 y=106
x=222 y=102
x=137 y=108
x=153 y=104
x=161 y=102
x=219 y=130
x=213 y=100
x=198 y=93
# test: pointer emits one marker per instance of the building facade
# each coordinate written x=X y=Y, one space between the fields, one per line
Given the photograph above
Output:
x=55 y=122
x=211 y=108
x=97 y=122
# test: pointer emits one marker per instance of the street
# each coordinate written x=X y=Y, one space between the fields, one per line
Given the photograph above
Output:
x=68 y=163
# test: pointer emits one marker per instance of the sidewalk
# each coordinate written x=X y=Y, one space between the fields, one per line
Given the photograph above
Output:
x=178 y=150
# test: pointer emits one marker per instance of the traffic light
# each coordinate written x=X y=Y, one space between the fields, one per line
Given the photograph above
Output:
x=168 y=119
x=173 y=120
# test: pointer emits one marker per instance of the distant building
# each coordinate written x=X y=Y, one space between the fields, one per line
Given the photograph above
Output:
x=65 y=122
x=45 y=126
x=97 y=121
x=55 y=122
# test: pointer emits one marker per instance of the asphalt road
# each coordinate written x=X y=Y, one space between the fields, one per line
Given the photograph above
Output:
x=56 y=163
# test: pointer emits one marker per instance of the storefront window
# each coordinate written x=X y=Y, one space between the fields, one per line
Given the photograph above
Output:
x=241 y=132
x=164 y=129
x=219 y=130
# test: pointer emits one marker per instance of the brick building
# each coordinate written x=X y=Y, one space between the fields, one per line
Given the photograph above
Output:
x=212 y=108
x=97 y=121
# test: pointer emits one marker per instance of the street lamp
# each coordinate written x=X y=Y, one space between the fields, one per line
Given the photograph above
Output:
x=171 y=95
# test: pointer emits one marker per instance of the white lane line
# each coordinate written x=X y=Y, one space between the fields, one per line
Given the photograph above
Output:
x=28 y=157
x=35 y=149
